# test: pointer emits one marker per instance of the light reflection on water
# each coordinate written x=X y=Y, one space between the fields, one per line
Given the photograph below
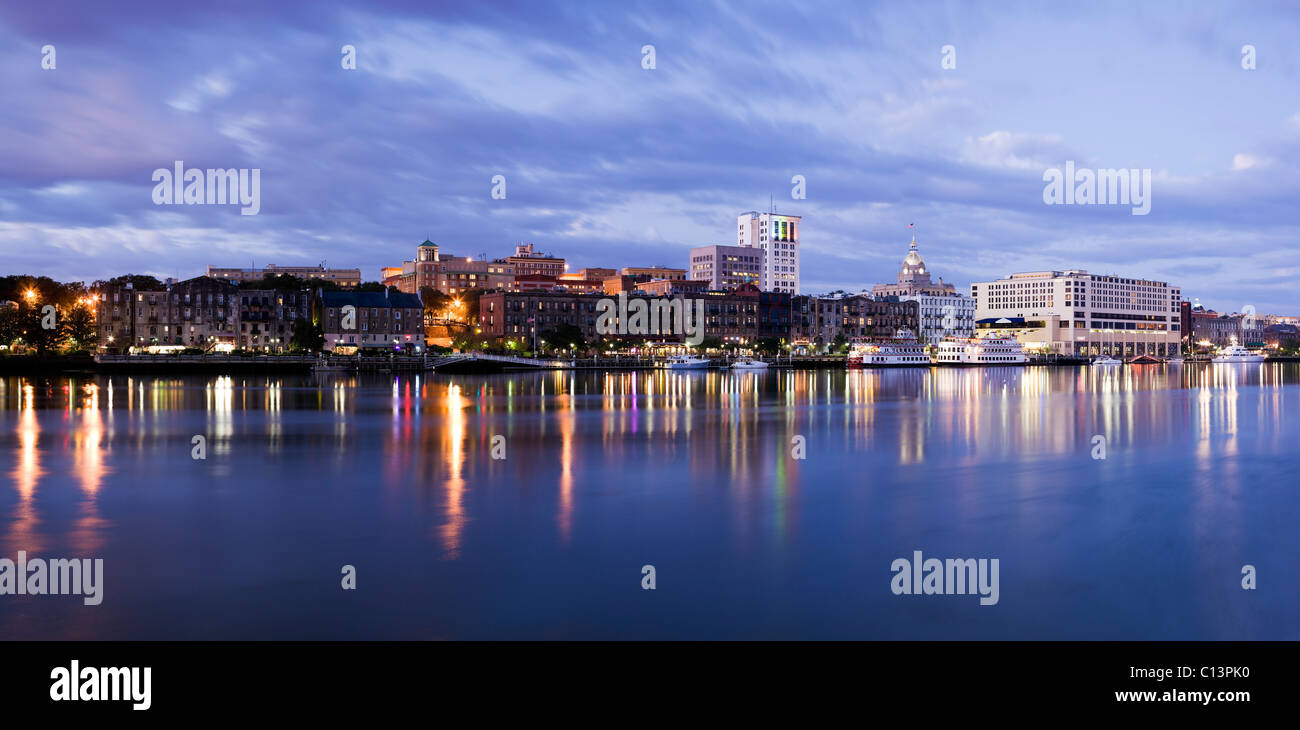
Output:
x=691 y=471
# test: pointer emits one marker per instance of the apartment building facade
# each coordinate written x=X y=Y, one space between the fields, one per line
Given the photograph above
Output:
x=369 y=321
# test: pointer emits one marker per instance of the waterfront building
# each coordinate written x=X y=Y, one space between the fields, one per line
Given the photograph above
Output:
x=815 y=321
x=521 y=314
x=1073 y=312
x=267 y=317
x=738 y=316
x=726 y=267
x=199 y=313
x=938 y=317
x=378 y=320
x=777 y=237
x=1281 y=336
x=345 y=278
x=1211 y=330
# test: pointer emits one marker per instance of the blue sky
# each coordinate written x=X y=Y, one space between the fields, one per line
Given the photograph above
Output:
x=610 y=164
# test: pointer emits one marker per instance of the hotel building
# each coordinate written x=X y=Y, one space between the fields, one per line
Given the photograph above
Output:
x=1076 y=313
x=777 y=236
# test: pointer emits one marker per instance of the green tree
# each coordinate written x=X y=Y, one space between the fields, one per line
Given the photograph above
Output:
x=35 y=333
x=768 y=345
x=710 y=342
x=139 y=282
x=78 y=327
x=840 y=344
x=564 y=337
x=306 y=337
x=286 y=282
x=11 y=325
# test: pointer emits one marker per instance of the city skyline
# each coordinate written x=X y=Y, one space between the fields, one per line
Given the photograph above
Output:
x=610 y=163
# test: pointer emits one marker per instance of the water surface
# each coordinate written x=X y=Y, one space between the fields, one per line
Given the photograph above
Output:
x=693 y=473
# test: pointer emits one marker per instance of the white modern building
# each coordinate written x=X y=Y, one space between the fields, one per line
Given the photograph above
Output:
x=1076 y=313
x=778 y=237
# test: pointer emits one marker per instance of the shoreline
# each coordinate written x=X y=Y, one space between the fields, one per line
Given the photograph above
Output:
x=301 y=364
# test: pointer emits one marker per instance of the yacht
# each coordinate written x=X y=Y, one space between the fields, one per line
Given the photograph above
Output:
x=902 y=350
x=748 y=363
x=986 y=350
x=1106 y=361
x=1237 y=353
x=686 y=362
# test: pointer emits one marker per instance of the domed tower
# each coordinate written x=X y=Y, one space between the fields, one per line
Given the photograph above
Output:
x=914 y=271
x=914 y=278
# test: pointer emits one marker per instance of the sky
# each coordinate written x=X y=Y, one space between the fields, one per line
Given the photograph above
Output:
x=612 y=164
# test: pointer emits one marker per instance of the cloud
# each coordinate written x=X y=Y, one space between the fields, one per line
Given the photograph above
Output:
x=611 y=164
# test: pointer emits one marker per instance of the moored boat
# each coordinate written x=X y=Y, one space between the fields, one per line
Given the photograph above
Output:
x=1237 y=353
x=902 y=350
x=686 y=362
x=987 y=350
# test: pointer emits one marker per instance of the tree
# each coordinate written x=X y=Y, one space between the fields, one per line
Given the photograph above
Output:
x=11 y=325
x=307 y=336
x=840 y=344
x=710 y=342
x=283 y=282
x=139 y=282
x=768 y=345
x=77 y=326
x=564 y=336
x=35 y=333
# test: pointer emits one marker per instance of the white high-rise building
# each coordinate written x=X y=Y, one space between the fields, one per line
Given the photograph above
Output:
x=778 y=237
x=1077 y=313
